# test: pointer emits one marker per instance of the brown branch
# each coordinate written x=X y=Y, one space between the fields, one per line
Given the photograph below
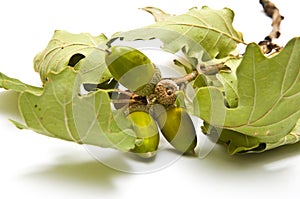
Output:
x=185 y=79
x=271 y=11
x=212 y=69
x=202 y=69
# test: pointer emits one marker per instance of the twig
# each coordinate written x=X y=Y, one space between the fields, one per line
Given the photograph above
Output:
x=271 y=11
x=202 y=69
x=127 y=93
x=186 y=79
x=212 y=69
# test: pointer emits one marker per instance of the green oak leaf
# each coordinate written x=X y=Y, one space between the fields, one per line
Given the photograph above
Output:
x=93 y=68
x=240 y=143
x=229 y=80
x=67 y=49
x=200 y=33
x=158 y=14
x=236 y=142
x=268 y=92
x=61 y=112
x=291 y=138
x=201 y=81
x=16 y=85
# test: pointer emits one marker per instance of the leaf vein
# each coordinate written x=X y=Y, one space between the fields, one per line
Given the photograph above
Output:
x=211 y=29
x=255 y=90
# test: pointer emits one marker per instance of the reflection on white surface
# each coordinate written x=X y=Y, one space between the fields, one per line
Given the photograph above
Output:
x=131 y=163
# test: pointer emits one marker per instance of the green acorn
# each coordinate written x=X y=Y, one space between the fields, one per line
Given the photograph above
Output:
x=132 y=69
x=177 y=127
x=146 y=130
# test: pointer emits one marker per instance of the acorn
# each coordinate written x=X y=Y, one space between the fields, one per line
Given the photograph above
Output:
x=147 y=133
x=177 y=127
x=132 y=69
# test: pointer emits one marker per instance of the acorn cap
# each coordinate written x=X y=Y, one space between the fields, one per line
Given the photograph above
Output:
x=150 y=86
x=165 y=92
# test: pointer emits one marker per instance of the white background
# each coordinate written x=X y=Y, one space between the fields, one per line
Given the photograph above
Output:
x=35 y=166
